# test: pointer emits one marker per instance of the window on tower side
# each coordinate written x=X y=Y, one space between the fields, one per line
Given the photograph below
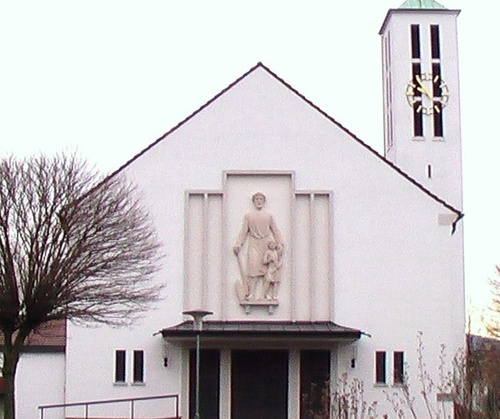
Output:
x=120 y=359
x=388 y=92
x=438 y=119
x=416 y=70
x=435 y=48
x=438 y=103
x=415 y=41
x=418 y=122
x=436 y=79
x=380 y=367
x=398 y=367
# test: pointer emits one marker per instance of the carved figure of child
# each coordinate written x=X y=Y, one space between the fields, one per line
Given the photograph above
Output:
x=273 y=261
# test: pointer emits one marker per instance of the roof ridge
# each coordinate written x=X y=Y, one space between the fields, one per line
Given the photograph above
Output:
x=383 y=158
x=179 y=124
x=310 y=103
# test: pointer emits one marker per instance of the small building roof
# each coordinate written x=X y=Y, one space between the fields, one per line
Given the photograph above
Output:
x=49 y=337
x=421 y=4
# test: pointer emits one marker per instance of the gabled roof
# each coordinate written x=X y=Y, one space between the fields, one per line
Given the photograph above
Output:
x=315 y=107
x=421 y=4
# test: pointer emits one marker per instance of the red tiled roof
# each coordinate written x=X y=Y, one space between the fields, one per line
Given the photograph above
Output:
x=48 y=337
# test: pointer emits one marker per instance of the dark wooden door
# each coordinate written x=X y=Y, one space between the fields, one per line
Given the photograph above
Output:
x=259 y=384
x=209 y=383
x=314 y=384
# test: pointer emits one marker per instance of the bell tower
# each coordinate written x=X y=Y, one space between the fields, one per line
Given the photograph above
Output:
x=421 y=96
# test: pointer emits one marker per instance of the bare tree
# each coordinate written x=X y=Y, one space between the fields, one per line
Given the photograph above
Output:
x=466 y=387
x=493 y=318
x=71 y=247
x=482 y=387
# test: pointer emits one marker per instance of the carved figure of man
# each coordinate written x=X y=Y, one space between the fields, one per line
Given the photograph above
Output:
x=273 y=260
x=260 y=228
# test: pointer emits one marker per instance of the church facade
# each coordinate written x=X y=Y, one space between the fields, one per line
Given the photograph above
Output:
x=316 y=260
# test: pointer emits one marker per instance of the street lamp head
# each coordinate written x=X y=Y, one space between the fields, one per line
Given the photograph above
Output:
x=197 y=316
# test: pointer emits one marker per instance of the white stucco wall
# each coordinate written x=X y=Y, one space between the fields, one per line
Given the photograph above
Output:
x=40 y=380
x=395 y=270
x=412 y=154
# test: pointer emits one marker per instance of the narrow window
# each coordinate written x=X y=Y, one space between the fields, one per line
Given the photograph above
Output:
x=418 y=123
x=138 y=366
x=398 y=367
x=380 y=377
x=435 y=49
x=416 y=70
x=418 y=126
x=415 y=41
x=429 y=171
x=388 y=93
x=438 y=119
x=436 y=79
x=120 y=359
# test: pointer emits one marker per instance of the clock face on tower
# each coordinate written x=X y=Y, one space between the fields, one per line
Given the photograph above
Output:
x=428 y=93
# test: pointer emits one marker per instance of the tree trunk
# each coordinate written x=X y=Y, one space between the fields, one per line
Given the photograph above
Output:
x=10 y=362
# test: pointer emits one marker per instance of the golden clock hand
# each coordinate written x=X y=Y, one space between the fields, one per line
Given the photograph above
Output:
x=422 y=87
x=425 y=91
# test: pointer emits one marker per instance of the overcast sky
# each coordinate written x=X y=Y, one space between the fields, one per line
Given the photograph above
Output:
x=106 y=78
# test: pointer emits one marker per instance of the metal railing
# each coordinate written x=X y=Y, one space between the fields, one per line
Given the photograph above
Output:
x=132 y=402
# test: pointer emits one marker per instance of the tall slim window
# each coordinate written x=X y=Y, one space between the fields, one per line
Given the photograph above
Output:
x=415 y=41
x=418 y=121
x=438 y=119
x=436 y=79
x=416 y=70
x=120 y=360
x=389 y=132
x=437 y=83
x=435 y=48
x=138 y=372
x=380 y=367
x=398 y=367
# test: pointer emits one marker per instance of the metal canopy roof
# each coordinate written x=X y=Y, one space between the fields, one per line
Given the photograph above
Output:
x=279 y=333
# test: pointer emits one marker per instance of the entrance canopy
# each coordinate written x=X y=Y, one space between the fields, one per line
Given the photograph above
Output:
x=279 y=334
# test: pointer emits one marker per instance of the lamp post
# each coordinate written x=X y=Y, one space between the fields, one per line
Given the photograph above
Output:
x=197 y=316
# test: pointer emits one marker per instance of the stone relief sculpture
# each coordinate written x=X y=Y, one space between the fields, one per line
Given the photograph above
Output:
x=264 y=255
x=273 y=259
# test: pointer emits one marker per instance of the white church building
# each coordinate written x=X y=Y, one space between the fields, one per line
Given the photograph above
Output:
x=319 y=259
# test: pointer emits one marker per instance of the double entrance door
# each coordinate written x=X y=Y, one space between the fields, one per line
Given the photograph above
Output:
x=259 y=383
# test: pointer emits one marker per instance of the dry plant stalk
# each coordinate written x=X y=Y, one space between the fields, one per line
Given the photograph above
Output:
x=347 y=401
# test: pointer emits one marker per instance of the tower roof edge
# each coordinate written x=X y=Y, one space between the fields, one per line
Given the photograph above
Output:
x=421 y=4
